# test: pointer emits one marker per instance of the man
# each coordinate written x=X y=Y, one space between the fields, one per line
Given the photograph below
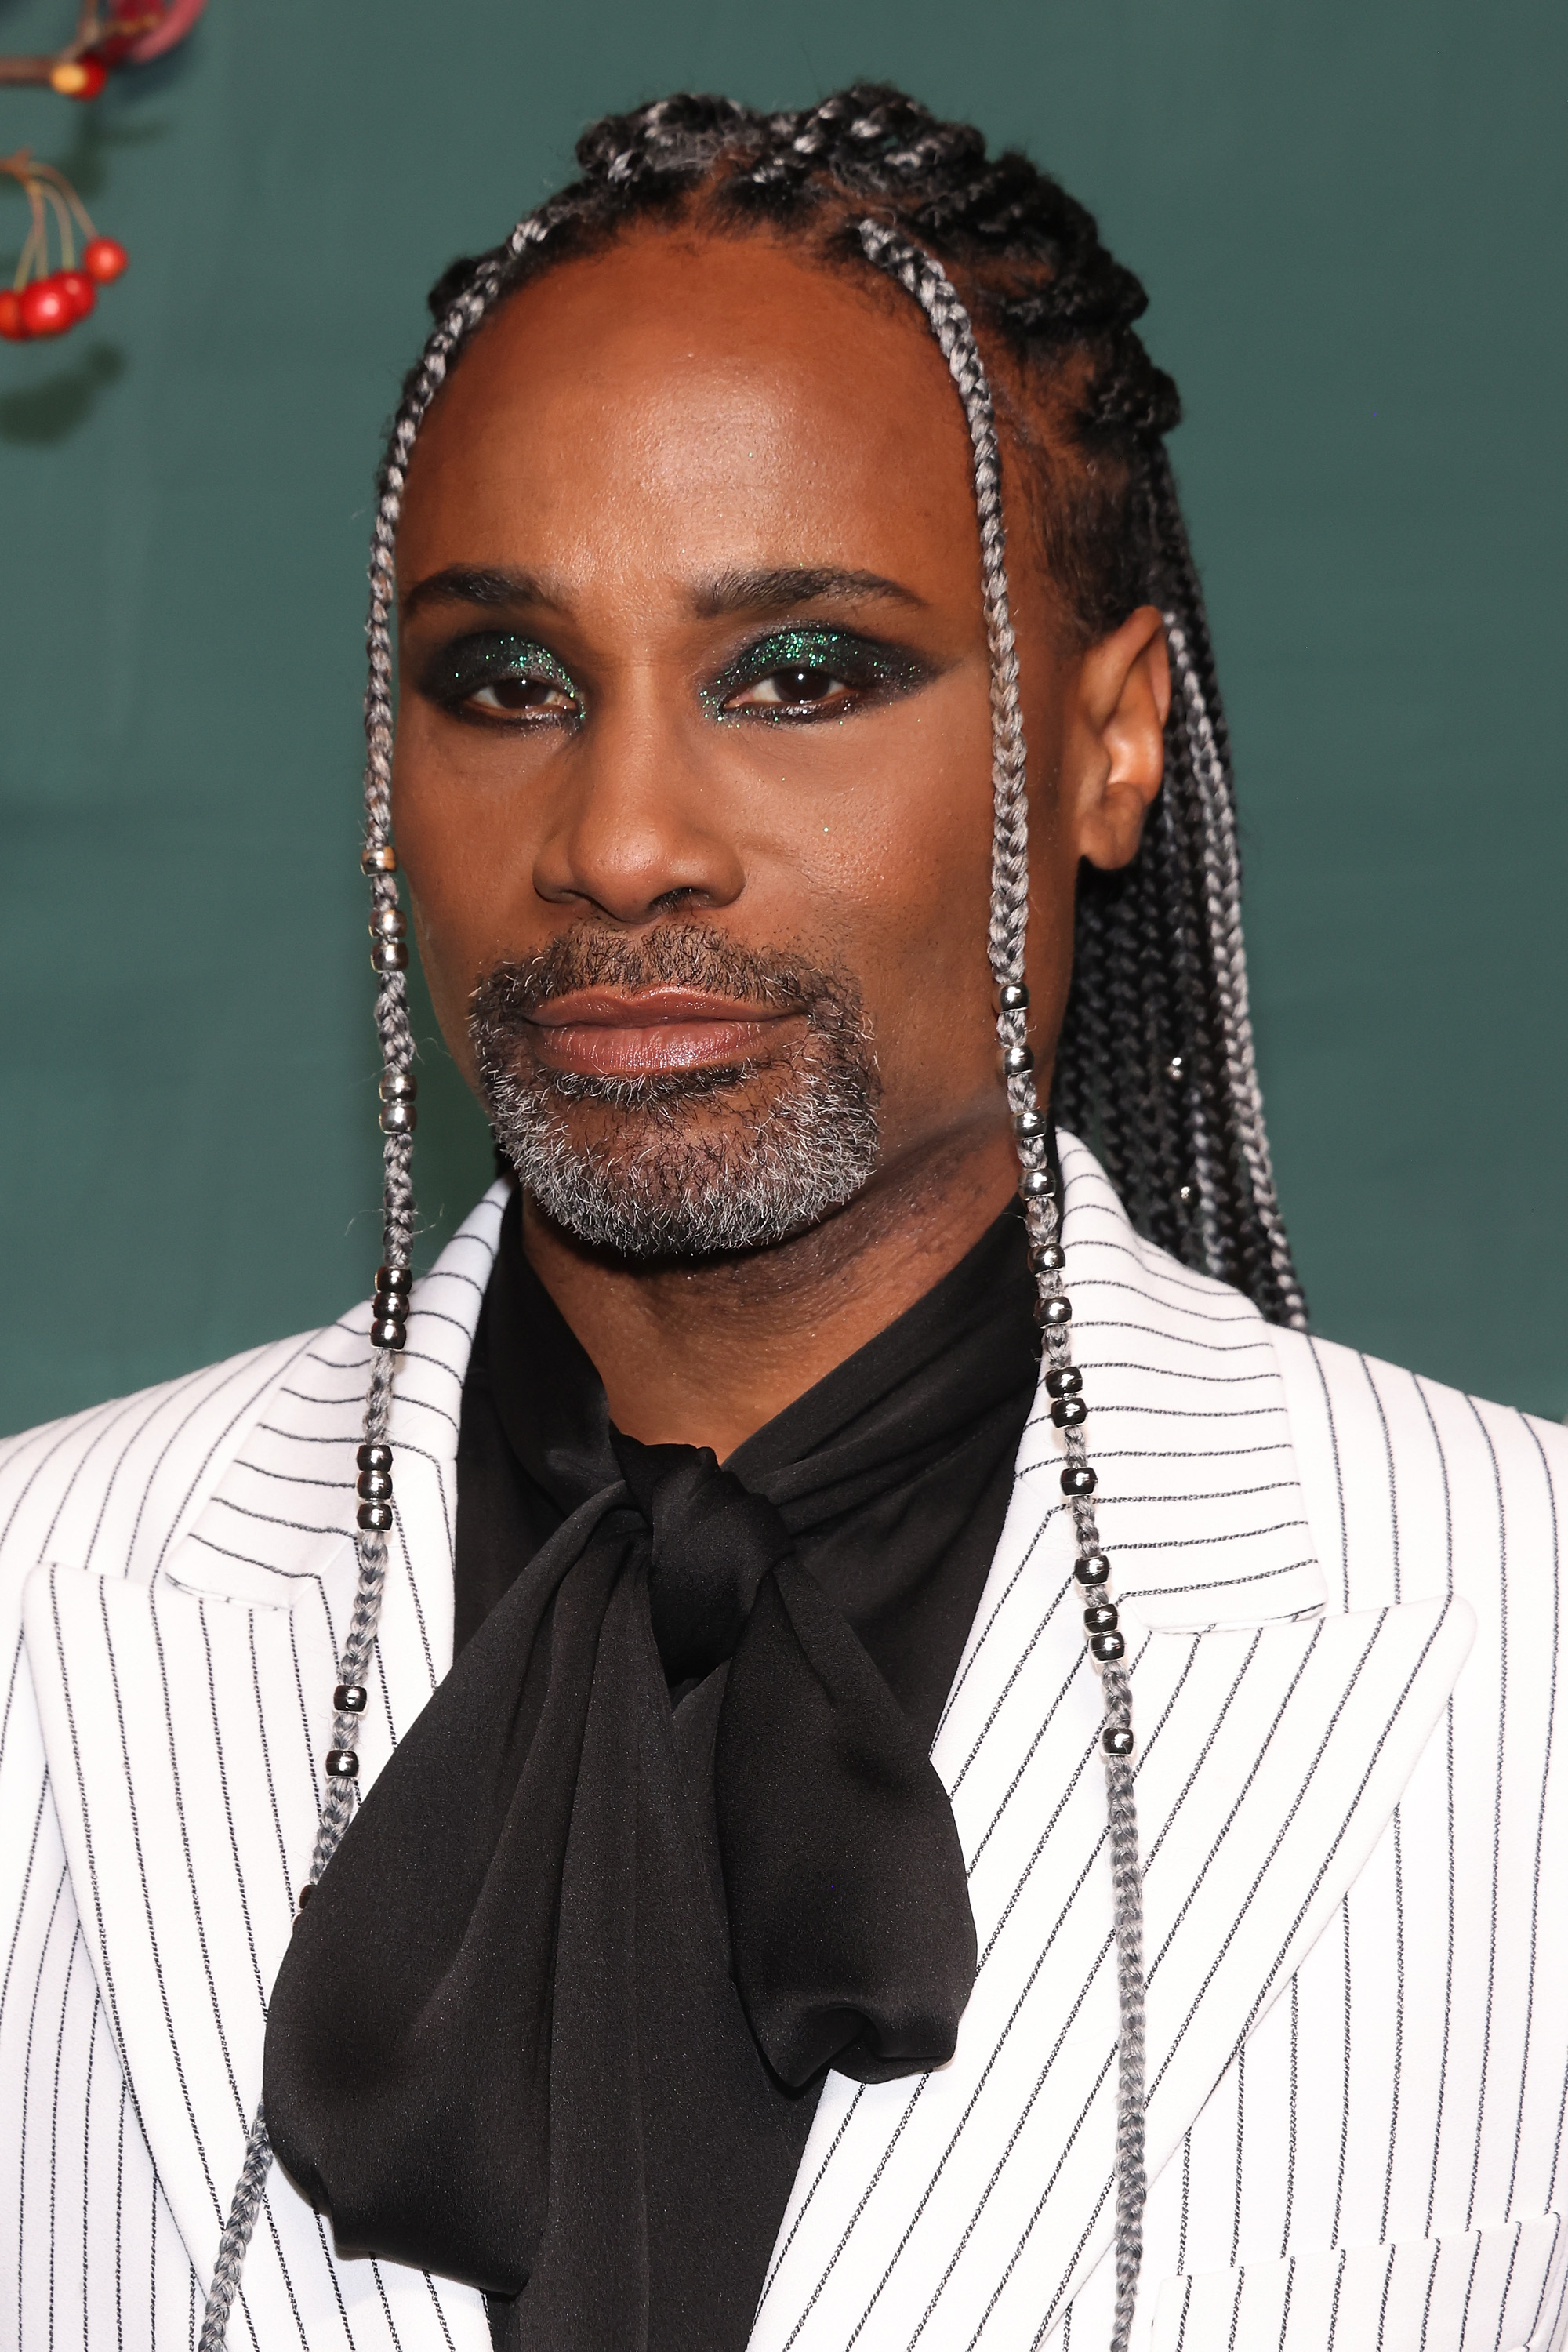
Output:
x=803 y=1905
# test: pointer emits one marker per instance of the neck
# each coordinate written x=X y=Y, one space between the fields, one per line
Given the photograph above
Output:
x=705 y=1352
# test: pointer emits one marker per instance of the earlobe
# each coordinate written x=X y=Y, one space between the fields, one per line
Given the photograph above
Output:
x=1123 y=700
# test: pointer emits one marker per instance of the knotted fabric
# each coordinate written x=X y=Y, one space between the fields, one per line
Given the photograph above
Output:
x=666 y=1843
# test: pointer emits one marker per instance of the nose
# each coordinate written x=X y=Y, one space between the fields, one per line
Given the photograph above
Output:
x=641 y=828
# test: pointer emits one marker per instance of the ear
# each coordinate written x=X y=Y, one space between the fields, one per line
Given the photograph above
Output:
x=1116 y=737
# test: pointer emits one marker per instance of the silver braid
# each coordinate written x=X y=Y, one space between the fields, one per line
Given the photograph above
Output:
x=1222 y=900
x=930 y=286
x=236 y=2238
x=1127 y=1886
x=390 y=956
x=949 y=322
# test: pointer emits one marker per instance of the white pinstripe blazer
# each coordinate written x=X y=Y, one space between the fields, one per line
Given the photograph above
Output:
x=1346 y=1621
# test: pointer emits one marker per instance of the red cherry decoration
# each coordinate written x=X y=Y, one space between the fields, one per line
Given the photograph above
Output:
x=46 y=307
x=78 y=290
x=104 y=258
x=79 y=78
x=54 y=301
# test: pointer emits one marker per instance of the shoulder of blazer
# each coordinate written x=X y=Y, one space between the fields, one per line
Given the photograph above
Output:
x=160 y=1742
x=117 y=1489
x=1414 y=1490
x=114 y=1487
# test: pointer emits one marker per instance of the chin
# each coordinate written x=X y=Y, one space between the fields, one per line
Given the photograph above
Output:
x=744 y=1161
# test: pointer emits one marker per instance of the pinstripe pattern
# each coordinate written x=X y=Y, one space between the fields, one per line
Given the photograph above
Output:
x=1435 y=2022
x=1346 y=1821
x=1483 y=2289
x=184 y=1685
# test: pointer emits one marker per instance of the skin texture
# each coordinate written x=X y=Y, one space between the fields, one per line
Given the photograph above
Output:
x=637 y=428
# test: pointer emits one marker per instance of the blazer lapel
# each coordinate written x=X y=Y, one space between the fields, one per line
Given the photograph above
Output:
x=188 y=1820
x=185 y=1721
x=970 y=2204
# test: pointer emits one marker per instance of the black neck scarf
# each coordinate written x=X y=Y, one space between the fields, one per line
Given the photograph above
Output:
x=668 y=1842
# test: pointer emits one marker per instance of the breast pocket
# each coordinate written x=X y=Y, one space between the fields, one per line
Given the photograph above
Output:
x=1491 y=2291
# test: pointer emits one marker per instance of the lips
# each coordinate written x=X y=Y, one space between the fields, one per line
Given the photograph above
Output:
x=605 y=1034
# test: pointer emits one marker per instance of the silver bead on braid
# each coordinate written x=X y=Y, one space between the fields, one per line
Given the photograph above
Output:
x=928 y=282
x=1222 y=899
x=394 y=1281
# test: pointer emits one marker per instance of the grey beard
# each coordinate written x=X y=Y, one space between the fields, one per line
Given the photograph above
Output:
x=686 y=1163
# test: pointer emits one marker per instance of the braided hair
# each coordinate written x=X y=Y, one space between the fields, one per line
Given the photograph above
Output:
x=1155 y=1067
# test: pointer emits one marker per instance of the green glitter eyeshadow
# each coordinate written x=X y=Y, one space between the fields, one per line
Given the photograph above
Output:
x=487 y=658
x=858 y=663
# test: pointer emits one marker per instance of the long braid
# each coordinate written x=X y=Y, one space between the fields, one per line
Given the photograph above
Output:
x=390 y=958
x=1222 y=893
x=925 y=279
x=932 y=288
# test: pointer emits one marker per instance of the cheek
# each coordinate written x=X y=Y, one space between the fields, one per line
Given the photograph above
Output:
x=1053 y=879
x=891 y=871
x=460 y=872
x=468 y=807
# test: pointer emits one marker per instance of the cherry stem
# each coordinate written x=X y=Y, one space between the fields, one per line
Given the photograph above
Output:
x=36 y=248
x=38 y=181
x=62 y=229
x=59 y=180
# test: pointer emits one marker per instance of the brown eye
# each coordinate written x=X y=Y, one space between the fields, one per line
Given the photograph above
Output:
x=522 y=696
x=793 y=677
x=805 y=684
x=789 y=689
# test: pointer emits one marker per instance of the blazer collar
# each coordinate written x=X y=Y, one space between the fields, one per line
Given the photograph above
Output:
x=279 y=1529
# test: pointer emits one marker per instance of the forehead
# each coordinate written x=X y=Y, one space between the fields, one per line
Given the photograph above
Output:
x=717 y=397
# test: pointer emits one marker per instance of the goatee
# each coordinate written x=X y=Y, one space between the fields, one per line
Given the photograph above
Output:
x=683 y=1163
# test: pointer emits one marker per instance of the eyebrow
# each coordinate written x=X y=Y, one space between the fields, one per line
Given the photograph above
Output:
x=778 y=590
x=465 y=583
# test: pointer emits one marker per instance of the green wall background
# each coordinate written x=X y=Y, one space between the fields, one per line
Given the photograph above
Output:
x=1351 y=220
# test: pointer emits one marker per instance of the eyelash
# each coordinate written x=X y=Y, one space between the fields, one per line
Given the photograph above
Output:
x=871 y=671
x=461 y=671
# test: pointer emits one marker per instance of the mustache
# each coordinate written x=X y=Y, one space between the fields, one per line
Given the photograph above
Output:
x=698 y=956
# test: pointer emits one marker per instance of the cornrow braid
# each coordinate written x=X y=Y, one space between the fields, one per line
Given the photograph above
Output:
x=1156 y=1064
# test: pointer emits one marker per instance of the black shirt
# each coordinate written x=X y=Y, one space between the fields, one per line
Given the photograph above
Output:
x=666 y=1843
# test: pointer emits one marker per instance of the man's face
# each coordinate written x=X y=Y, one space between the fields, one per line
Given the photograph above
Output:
x=692 y=780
